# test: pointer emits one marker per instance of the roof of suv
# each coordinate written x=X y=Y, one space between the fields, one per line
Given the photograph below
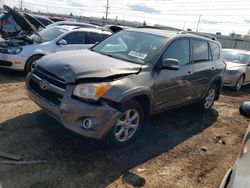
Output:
x=167 y=33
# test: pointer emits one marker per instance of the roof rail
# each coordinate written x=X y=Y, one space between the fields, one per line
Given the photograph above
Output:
x=150 y=27
x=203 y=35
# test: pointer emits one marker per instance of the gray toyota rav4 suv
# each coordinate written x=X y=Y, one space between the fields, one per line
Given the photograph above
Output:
x=108 y=91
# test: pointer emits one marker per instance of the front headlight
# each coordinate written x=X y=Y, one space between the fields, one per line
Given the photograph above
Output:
x=92 y=91
x=232 y=72
x=13 y=50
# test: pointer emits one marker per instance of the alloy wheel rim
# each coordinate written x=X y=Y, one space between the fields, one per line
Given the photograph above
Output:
x=209 y=98
x=33 y=65
x=127 y=125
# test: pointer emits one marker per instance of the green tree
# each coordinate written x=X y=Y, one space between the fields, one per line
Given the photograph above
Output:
x=144 y=23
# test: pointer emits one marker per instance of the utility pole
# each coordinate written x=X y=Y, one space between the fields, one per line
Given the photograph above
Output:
x=21 y=6
x=197 y=29
x=107 y=9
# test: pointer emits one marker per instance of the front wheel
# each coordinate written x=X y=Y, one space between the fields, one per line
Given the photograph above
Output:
x=207 y=102
x=31 y=63
x=126 y=129
x=239 y=83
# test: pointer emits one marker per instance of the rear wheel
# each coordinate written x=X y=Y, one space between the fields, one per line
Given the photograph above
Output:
x=207 y=102
x=239 y=83
x=31 y=63
x=126 y=129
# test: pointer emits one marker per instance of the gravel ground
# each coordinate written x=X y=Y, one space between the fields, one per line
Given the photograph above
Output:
x=179 y=148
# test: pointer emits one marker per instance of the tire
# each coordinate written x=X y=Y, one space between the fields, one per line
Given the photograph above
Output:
x=31 y=63
x=124 y=131
x=207 y=102
x=239 y=83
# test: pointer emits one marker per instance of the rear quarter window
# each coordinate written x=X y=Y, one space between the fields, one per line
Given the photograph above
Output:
x=215 y=49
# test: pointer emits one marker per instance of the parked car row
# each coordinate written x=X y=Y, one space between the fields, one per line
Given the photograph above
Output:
x=22 y=51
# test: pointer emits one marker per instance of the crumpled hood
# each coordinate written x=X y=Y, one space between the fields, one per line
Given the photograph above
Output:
x=79 y=64
x=235 y=66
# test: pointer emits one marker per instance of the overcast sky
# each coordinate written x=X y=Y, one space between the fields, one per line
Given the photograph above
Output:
x=225 y=16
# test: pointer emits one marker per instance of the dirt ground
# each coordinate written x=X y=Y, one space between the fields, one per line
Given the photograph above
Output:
x=179 y=148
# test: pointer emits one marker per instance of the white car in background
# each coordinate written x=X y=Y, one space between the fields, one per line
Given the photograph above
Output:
x=22 y=51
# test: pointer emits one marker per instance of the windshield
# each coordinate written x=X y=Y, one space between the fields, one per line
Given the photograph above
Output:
x=48 y=34
x=131 y=46
x=236 y=57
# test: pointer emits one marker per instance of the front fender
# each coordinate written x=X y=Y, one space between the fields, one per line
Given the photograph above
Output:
x=136 y=92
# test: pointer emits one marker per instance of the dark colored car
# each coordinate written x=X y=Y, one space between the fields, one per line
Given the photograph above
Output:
x=239 y=175
x=13 y=22
x=108 y=91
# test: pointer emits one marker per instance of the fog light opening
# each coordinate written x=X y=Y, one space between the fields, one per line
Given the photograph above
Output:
x=87 y=123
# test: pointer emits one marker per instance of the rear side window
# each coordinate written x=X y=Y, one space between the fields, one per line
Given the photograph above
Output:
x=95 y=37
x=105 y=36
x=215 y=49
x=179 y=50
x=200 y=51
x=75 y=38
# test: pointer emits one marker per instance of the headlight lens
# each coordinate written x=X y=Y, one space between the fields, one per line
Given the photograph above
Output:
x=233 y=72
x=13 y=50
x=91 y=91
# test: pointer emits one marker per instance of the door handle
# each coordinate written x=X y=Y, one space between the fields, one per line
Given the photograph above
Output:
x=212 y=68
x=189 y=72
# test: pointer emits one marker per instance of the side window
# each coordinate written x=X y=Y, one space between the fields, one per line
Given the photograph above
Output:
x=75 y=38
x=94 y=37
x=179 y=50
x=104 y=36
x=215 y=49
x=200 y=51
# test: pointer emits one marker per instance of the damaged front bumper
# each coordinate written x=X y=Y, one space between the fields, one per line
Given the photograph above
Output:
x=72 y=112
x=230 y=80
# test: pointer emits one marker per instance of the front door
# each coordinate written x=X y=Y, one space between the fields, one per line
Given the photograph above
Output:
x=173 y=86
x=75 y=41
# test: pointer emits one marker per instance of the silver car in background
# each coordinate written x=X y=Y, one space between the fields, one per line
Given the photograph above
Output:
x=238 y=68
x=22 y=53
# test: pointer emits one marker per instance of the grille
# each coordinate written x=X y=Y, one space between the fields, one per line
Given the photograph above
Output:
x=49 y=77
x=48 y=95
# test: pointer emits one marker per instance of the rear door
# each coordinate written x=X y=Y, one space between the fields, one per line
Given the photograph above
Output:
x=173 y=86
x=203 y=67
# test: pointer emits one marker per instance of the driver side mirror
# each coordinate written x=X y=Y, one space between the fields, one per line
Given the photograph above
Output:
x=245 y=109
x=170 y=64
x=62 y=42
